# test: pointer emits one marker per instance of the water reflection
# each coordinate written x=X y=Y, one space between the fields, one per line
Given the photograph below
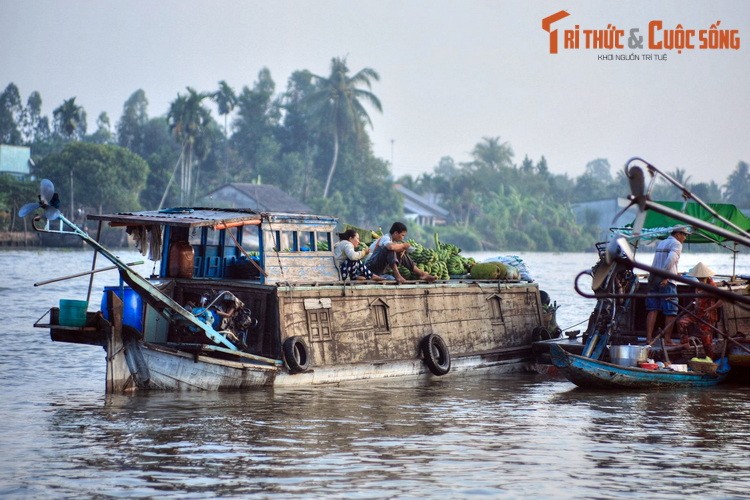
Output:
x=494 y=435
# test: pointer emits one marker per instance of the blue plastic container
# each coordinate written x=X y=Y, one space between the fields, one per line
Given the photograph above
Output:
x=132 y=305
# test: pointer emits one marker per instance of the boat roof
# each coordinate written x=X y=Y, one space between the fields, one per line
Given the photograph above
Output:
x=214 y=217
x=730 y=212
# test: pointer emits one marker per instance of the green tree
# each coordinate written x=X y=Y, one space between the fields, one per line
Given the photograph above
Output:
x=255 y=126
x=70 y=120
x=188 y=120
x=14 y=193
x=492 y=154
x=599 y=169
x=10 y=116
x=131 y=129
x=106 y=177
x=737 y=188
x=35 y=127
x=710 y=192
x=162 y=154
x=337 y=104
x=226 y=100
x=103 y=134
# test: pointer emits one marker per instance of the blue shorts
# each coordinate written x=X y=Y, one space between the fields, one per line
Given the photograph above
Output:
x=667 y=305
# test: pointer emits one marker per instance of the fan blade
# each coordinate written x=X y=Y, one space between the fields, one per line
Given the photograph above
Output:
x=47 y=189
x=600 y=275
x=638 y=223
x=27 y=209
x=637 y=182
x=52 y=214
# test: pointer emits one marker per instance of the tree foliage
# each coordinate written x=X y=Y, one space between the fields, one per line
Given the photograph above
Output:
x=310 y=139
x=106 y=178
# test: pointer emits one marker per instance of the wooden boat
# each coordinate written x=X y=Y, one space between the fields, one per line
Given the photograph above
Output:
x=619 y=317
x=298 y=324
x=592 y=373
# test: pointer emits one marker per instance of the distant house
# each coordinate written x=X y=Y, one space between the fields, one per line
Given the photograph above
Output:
x=420 y=209
x=602 y=212
x=14 y=160
x=260 y=197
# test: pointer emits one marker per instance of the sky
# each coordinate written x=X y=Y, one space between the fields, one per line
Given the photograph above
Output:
x=451 y=72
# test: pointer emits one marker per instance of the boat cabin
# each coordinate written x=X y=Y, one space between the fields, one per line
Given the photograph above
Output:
x=214 y=243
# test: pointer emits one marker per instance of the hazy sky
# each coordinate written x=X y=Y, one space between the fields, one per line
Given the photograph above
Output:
x=452 y=72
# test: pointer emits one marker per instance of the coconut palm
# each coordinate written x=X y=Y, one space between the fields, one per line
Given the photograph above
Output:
x=187 y=119
x=737 y=188
x=70 y=119
x=337 y=104
x=226 y=100
x=493 y=154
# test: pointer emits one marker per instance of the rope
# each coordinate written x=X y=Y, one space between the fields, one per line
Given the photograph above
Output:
x=237 y=244
x=579 y=323
x=277 y=244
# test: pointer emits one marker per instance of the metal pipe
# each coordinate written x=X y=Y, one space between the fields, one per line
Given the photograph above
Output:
x=84 y=273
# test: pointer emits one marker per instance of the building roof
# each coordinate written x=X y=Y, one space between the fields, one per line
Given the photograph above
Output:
x=420 y=205
x=261 y=197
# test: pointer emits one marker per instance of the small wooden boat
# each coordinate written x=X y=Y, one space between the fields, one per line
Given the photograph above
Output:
x=593 y=373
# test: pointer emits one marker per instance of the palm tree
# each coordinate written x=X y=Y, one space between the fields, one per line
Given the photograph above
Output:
x=337 y=105
x=70 y=119
x=493 y=154
x=187 y=119
x=737 y=188
x=226 y=100
x=678 y=174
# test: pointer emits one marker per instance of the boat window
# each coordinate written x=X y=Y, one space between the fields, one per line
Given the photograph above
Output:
x=195 y=235
x=250 y=238
x=306 y=241
x=322 y=241
x=212 y=236
x=287 y=241
x=271 y=241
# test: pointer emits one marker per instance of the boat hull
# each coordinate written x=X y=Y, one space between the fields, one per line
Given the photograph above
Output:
x=592 y=373
x=160 y=368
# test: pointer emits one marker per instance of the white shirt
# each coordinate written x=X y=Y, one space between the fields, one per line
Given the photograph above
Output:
x=343 y=250
x=667 y=255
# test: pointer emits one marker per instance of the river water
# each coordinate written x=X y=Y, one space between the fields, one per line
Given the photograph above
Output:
x=472 y=436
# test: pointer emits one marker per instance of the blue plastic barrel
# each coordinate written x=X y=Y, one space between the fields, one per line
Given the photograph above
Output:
x=132 y=305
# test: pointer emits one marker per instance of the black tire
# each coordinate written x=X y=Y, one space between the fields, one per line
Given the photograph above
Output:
x=296 y=354
x=435 y=354
x=544 y=296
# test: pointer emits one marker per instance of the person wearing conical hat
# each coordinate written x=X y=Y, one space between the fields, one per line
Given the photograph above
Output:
x=704 y=310
x=664 y=290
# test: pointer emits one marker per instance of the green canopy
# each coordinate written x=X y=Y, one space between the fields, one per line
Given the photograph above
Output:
x=729 y=212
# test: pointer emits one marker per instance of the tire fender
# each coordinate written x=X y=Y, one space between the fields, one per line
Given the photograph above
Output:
x=435 y=354
x=296 y=354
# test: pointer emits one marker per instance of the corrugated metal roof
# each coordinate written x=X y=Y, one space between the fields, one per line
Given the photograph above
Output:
x=197 y=217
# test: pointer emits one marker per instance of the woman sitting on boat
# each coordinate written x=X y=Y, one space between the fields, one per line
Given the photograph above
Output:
x=349 y=260
x=705 y=313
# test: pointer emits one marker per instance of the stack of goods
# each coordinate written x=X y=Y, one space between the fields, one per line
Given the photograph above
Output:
x=442 y=262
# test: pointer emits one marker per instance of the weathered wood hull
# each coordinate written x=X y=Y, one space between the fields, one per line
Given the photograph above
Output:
x=350 y=333
x=592 y=373
x=172 y=370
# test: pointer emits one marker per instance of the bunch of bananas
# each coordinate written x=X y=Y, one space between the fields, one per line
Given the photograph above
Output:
x=443 y=261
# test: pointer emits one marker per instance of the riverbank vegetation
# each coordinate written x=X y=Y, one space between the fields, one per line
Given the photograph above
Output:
x=311 y=140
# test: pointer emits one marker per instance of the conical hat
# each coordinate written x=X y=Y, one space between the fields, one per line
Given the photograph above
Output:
x=701 y=270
